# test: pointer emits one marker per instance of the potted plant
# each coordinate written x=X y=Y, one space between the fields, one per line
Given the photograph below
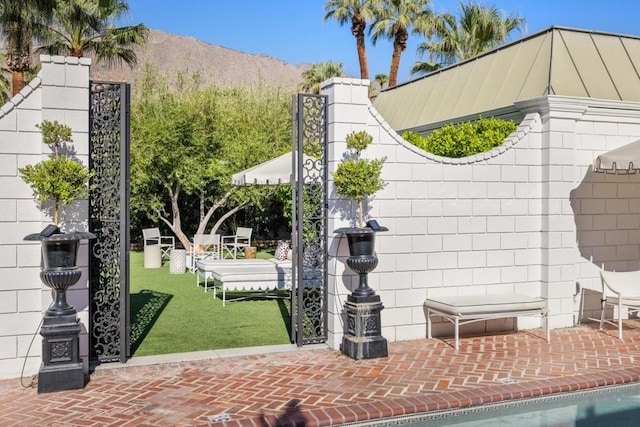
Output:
x=59 y=179
x=357 y=179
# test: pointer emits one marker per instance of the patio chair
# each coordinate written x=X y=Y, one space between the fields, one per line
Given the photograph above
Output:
x=151 y=236
x=205 y=246
x=620 y=289
x=238 y=242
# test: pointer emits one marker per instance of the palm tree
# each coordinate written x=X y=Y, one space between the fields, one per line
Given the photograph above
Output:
x=426 y=28
x=477 y=30
x=21 y=21
x=359 y=12
x=393 y=19
x=381 y=79
x=84 y=27
x=422 y=67
x=319 y=73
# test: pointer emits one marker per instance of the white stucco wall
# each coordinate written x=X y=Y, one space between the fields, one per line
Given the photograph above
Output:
x=528 y=217
x=60 y=92
x=503 y=221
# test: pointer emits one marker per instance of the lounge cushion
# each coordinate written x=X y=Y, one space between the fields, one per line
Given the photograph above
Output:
x=214 y=264
x=461 y=310
x=250 y=273
x=479 y=304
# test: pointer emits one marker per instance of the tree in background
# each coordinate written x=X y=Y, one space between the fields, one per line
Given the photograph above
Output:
x=82 y=27
x=393 y=19
x=359 y=12
x=319 y=73
x=22 y=22
x=186 y=144
x=426 y=28
x=476 y=30
x=381 y=79
x=5 y=83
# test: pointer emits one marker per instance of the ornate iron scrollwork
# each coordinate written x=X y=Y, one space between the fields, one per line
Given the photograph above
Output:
x=109 y=220
x=309 y=299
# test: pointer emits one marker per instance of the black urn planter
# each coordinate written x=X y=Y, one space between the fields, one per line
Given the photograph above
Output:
x=362 y=260
x=62 y=367
x=363 y=338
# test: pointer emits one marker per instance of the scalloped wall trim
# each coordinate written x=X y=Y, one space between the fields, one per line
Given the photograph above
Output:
x=526 y=125
x=21 y=96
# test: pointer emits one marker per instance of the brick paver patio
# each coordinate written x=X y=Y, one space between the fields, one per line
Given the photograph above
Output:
x=321 y=387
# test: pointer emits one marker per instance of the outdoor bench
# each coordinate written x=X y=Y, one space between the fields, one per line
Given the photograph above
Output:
x=461 y=310
x=243 y=275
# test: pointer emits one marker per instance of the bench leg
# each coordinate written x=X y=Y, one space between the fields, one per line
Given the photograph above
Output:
x=428 y=323
x=546 y=326
x=620 y=317
x=457 y=332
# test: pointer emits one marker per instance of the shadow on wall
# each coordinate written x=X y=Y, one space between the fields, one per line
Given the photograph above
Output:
x=606 y=210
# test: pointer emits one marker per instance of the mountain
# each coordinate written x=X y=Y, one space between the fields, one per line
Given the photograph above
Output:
x=225 y=67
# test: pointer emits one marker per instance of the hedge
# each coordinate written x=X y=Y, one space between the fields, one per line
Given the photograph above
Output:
x=464 y=139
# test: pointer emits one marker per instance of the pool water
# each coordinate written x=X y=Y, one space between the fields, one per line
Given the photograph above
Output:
x=602 y=407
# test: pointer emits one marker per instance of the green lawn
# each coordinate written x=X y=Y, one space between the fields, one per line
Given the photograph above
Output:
x=170 y=314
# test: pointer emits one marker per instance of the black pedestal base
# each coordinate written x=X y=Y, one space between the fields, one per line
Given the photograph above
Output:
x=363 y=339
x=62 y=368
x=364 y=348
x=60 y=378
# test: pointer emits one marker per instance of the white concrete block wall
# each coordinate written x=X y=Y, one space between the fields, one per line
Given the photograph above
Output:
x=503 y=221
x=59 y=92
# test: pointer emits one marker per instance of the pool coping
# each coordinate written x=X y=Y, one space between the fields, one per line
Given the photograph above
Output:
x=387 y=409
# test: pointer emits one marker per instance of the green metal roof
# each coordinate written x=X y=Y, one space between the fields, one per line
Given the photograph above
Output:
x=555 y=61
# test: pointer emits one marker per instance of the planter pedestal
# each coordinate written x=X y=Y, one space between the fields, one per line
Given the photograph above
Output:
x=363 y=338
x=62 y=368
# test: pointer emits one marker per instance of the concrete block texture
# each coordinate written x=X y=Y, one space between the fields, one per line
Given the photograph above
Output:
x=517 y=216
x=60 y=92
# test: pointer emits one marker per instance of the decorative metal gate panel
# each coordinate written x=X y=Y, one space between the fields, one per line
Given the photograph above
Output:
x=109 y=221
x=309 y=234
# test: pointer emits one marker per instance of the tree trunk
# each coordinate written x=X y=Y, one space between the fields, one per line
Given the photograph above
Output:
x=358 y=25
x=395 y=64
x=56 y=208
x=205 y=219
x=399 y=45
x=176 y=224
x=17 y=81
x=224 y=217
x=362 y=57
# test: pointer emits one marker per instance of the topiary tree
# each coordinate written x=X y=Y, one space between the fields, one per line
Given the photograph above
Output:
x=359 y=178
x=60 y=178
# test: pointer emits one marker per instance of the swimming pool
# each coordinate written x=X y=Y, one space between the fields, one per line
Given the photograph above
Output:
x=602 y=407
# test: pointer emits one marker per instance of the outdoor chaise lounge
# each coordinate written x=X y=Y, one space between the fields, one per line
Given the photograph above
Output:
x=461 y=310
x=620 y=289
x=244 y=275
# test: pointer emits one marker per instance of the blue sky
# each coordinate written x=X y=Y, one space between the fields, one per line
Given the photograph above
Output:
x=293 y=30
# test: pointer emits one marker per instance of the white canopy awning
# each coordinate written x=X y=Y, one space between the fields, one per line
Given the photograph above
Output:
x=622 y=160
x=275 y=171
